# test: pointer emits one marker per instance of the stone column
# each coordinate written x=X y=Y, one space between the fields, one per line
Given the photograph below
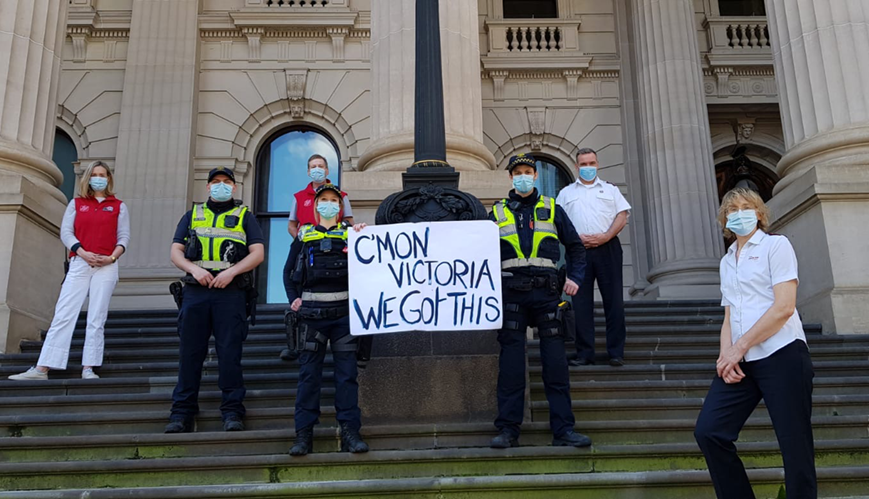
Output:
x=31 y=207
x=392 y=86
x=822 y=201
x=679 y=175
x=154 y=161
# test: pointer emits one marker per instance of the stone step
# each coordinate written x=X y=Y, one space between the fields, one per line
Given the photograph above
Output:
x=401 y=464
x=280 y=417
x=266 y=355
x=144 y=379
x=833 y=483
x=596 y=390
x=672 y=408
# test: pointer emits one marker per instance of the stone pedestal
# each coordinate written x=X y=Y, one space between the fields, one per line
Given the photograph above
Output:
x=392 y=86
x=154 y=162
x=822 y=201
x=31 y=206
x=679 y=175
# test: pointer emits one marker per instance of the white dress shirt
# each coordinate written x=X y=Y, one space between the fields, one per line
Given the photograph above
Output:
x=592 y=208
x=746 y=287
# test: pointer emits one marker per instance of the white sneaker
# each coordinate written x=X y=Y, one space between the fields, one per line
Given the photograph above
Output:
x=89 y=374
x=31 y=374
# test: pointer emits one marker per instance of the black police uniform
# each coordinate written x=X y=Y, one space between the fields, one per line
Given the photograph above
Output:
x=531 y=298
x=222 y=312
x=316 y=272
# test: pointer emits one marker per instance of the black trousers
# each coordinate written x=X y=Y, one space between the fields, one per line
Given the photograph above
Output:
x=511 y=373
x=603 y=264
x=311 y=378
x=205 y=311
x=784 y=382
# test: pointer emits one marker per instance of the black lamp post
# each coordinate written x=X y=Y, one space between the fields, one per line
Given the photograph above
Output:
x=430 y=185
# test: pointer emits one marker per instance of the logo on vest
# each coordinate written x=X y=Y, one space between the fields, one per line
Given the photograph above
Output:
x=84 y=208
x=307 y=202
x=109 y=208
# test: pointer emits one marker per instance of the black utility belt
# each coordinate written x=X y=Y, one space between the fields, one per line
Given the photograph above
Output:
x=243 y=282
x=527 y=283
x=324 y=312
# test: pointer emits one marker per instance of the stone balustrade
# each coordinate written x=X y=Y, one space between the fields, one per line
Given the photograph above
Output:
x=532 y=36
x=729 y=34
x=295 y=3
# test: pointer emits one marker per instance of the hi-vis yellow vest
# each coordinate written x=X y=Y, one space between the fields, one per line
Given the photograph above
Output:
x=308 y=234
x=213 y=232
x=543 y=229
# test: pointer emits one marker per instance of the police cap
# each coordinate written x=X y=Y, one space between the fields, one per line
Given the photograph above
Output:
x=522 y=159
x=328 y=187
x=220 y=170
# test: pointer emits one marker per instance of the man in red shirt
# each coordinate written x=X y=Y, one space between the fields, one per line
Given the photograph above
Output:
x=302 y=207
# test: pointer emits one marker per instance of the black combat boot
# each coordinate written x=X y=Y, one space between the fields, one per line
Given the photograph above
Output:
x=351 y=441
x=504 y=440
x=304 y=442
x=571 y=439
x=179 y=425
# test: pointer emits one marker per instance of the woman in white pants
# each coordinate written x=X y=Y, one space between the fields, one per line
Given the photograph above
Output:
x=96 y=229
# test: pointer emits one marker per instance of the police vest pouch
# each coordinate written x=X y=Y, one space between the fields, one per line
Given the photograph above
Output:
x=567 y=319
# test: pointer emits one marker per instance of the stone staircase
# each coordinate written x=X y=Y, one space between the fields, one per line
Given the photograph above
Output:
x=68 y=437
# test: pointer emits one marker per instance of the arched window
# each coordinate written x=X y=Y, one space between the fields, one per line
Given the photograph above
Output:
x=741 y=8
x=530 y=9
x=552 y=176
x=282 y=170
x=64 y=157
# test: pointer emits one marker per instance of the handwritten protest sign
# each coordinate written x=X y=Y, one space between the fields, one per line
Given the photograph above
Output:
x=443 y=276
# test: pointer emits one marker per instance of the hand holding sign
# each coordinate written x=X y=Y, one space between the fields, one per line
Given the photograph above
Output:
x=424 y=277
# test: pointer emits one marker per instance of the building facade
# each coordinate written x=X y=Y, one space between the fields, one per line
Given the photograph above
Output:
x=682 y=99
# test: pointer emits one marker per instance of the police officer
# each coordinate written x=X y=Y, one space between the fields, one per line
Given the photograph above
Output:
x=217 y=244
x=531 y=228
x=598 y=212
x=317 y=288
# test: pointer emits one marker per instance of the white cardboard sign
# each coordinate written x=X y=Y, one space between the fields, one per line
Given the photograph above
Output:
x=432 y=276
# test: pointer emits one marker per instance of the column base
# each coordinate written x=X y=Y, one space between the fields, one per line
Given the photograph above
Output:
x=684 y=279
x=31 y=259
x=822 y=212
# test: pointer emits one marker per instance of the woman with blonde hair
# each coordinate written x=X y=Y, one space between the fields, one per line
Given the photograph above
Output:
x=763 y=354
x=96 y=230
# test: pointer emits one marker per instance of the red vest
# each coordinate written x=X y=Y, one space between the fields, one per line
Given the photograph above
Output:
x=96 y=224
x=305 y=209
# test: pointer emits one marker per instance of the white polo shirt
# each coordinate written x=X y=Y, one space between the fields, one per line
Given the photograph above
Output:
x=592 y=208
x=746 y=287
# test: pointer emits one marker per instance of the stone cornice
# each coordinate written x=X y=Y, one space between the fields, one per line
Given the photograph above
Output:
x=314 y=17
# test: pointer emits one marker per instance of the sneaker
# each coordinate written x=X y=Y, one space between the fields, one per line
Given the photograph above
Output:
x=89 y=374
x=31 y=374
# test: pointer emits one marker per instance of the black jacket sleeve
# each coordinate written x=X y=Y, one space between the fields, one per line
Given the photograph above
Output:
x=181 y=230
x=252 y=230
x=290 y=286
x=574 y=249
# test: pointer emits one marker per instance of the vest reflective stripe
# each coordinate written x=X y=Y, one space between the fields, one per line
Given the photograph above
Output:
x=308 y=234
x=212 y=232
x=528 y=262
x=543 y=229
x=325 y=297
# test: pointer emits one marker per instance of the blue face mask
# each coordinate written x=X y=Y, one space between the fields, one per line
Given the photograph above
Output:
x=523 y=183
x=221 y=192
x=98 y=184
x=328 y=209
x=742 y=222
x=588 y=173
x=317 y=174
